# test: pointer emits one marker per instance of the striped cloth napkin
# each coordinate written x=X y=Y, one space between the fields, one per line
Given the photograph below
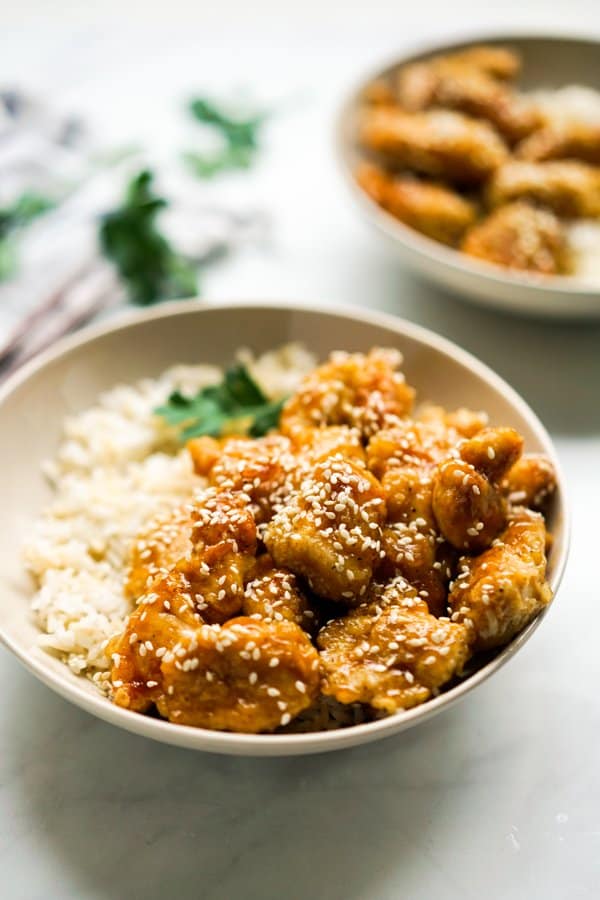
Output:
x=61 y=280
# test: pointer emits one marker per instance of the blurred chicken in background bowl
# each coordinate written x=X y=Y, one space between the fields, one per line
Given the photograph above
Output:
x=480 y=161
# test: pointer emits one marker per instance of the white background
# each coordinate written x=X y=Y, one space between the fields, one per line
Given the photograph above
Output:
x=497 y=797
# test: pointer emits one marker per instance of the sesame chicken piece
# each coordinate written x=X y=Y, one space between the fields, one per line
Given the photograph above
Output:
x=259 y=467
x=499 y=592
x=434 y=210
x=530 y=482
x=468 y=504
x=563 y=140
x=274 y=595
x=417 y=82
x=314 y=445
x=157 y=549
x=463 y=422
x=330 y=530
x=416 y=444
x=382 y=595
x=205 y=451
x=519 y=236
x=155 y=626
x=392 y=661
x=567 y=187
x=379 y=93
x=206 y=584
x=452 y=82
x=500 y=62
x=437 y=142
x=404 y=458
x=363 y=391
x=210 y=517
x=246 y=676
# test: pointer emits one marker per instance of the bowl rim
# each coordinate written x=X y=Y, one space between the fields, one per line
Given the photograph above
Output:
x=421 y=244
x=313 y=742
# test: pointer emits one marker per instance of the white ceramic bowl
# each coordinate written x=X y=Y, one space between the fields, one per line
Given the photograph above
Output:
x=548 y=63
x=69 y=378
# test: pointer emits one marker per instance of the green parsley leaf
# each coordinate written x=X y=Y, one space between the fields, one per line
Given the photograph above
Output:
x=147 y=263
x=240 y=140
x=236 y=405
x=27 y=207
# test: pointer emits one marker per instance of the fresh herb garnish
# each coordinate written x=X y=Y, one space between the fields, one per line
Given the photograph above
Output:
x=240 y=137
x=147 y=263
x=235 y=406
x=27 y=207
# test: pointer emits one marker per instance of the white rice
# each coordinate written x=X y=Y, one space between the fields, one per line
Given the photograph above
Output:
x=572 y=103
x=117 y=466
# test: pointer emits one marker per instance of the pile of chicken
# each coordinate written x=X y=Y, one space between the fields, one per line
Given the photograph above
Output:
x=458 y=154
x=363 y=552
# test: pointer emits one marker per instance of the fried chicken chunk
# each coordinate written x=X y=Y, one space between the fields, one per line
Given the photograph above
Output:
x=211 y=518
x=499 y=592
x=465 y=422
x=404 y=458
x=456 y=83
x=437 y=142
x=434 y=210
x=361 y=390
x=206 y=584
x=275 y=595
x=568 y=140
x=417 y=82
x=259 y=467
x=167 y=539
x=567 y=187
x=392 y=661
x=330 y=530
x=246 y=676
x=468 y=503
x=531 y=481
x=518 y=236
x=383 y=595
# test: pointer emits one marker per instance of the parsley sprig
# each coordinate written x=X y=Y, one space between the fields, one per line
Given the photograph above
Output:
x=14 y=218
x=235 y=406
x=147 y=263
x=240 y=136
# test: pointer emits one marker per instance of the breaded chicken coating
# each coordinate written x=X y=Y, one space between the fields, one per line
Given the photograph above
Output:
x=518 y=236
x=416 y=83
x=455 y=84
x=404 y=458
x=499 y=592
x=275 y=595
x=465 y=422
x=468 y=503
x=364 y=391
x=383 y=595
x=260 y=467
x=568 y=187
x=440 y=143
x=247 y=676
x=434 y=210
x=501 y=62
x=206 y=584
x=531 y=481
x=330 y=530
x=414 y=443
x=167 y=539
x=568 y=140
x=392 y=661
x=205 y=451
x=314 y=445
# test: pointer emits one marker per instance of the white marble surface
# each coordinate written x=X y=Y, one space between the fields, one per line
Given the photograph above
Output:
x=497 y=797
